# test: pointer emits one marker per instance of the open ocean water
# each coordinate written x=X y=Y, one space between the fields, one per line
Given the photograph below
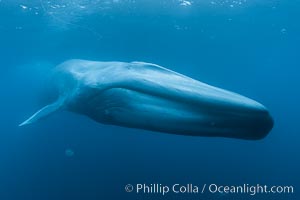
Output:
x=251 y=47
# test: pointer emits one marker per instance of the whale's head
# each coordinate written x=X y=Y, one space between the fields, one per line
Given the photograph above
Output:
x=239 y=117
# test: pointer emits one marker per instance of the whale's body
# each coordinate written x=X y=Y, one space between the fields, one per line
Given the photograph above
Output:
x=148 y=96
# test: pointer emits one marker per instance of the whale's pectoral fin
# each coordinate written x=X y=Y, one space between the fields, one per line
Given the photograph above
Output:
x=45 y=111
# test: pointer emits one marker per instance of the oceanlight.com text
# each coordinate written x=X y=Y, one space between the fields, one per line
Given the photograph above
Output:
x=248 y=189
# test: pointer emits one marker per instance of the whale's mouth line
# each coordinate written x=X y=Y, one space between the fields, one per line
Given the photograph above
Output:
x=205 y=107
x=133 y=102
x=200 y=105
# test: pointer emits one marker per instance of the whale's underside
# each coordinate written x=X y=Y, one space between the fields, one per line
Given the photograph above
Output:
x=148 y=96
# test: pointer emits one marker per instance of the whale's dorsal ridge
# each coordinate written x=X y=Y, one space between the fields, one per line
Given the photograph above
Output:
x=45 y=111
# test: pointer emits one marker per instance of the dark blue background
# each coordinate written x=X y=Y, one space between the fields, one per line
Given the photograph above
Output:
x=251 y=48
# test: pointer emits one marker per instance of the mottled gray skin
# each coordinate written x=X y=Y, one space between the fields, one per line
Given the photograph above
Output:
x=148 y=96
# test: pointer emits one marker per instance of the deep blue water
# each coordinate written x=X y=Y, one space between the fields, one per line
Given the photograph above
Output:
x=250 y=47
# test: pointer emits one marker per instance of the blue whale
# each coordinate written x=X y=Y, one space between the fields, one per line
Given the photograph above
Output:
x=148 y=96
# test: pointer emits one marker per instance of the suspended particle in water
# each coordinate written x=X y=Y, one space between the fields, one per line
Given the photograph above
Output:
x=283 y=31
x=23 y=7
x=185 y=3
x=69 y=152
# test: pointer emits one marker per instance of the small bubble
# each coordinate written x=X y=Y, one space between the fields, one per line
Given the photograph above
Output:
x=185 y=3
x=283 y=31
x=69 y=152
x=23 y=7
